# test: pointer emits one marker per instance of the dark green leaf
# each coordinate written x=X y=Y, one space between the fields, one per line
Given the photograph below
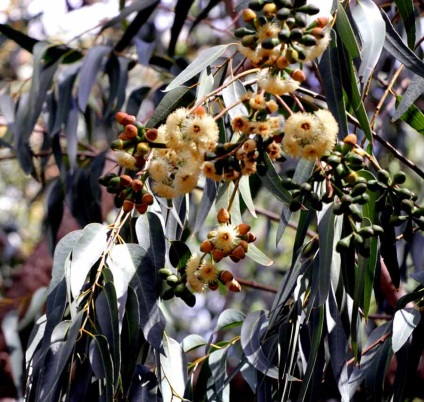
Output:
x=398 y=49
x=9 y=327
x=101 y=362
x=251 y=332
x=272 y=181
x=29 y=108
x=144 y=386
x=208 y=197
x=345 y=32
x=107 y=314
x=179 y=254
x=90 y=67
x=140 y=272
x=150 y=236
x=24 y=41
x=368 y=19
x=217 y=387
x=326 y=224
x=205 y=59
x=229 y=318
x=414 y=90
x=404 y=323
x=140 y=19
x=413 y=117
x=135 y=99
x=174 y=99
x=204 y=12
x=329 y=68
x=406 y=11
x=181 y=11
x=317 y=326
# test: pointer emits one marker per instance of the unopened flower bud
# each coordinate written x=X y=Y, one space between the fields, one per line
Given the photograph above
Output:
x=322 y=22
x=130 y=132
x=234 y=258
x=233 y=286
x=125 y=180
x=143 y=149
x=350 y=139
x=298 y=75
x=282 y=62
x=244 y=244
x=248 y=15
x=238 y=252
x=147 y=199
x=251 y=237
x=206 y=246
x=243 y=228
x=225 y=276
x=137 y=185
x=141 y=208
x=128 y=205
x=151 y=134
x=217 y=255
x=223 y=215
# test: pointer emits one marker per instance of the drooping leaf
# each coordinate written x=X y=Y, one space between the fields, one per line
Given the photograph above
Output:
x=229 y=318
x=140 y=19
x=244 y=188
x=208 y=197
x=181 y=11
x=345 y=32
x=144 y=386
x=251 y=332
x=90 y=67
x=406 y=11
x=136 y=264
x=206 y=83
x=54 y=215
x=413 y=117
x=326 y=222
x=9 y=327
x=107 y=314
x=258 y=256
x=24 y=41
x=71 y=128
x=35 y=308
x=173 y=369
x=179 y=96
x=404 y=323
x=206 y=58
x=329 y=68
x=150 y=236
x=217 y=389
x=368 y=19
x=272 y=181
x=398 y=49
x=135 y=99
x=231 y=94
x=29 y=107
x=414 y=90
x=179 y=254
x=87 y=250
x=102 y=365
x=192 y=342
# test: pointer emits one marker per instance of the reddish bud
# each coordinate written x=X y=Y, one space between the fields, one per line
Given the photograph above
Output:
x=233 y=286
x=199 y=111
x=223 y=216
x=213 y=286
x=125 y=180
x=225 y=276
x=322 y=22
x=251 y=237
x=128 y=205
x=141 y=208
x=217 y=255
x=130 y=132
x=238 y=252
x=298 y=75
x=137 y=185
x=350 y=139
x=152 y=134
x=243 y=228
x=206 y=246
x=148 y=198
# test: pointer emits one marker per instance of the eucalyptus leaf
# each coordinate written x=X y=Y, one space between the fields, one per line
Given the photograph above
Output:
x=414 y=90
x=404 y=323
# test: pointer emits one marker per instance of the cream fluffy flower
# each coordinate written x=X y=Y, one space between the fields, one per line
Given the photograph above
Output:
x=194 y=276
x=317 y=50
x=208 y=272
x=125 y=159
x=276 y=85
x=225 y=237
x=310 y=136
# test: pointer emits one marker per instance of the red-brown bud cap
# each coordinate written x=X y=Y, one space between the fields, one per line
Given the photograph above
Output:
x=225 y=276
x=141 y=208
x=233 y=286
x=128 y=205
x=140 y=161
x=148 y=199
x=217 y=255
x=238 y=252
x=350 y=139
x=125 y=180
x=223 y=215
x=151 y=134
x=213 y=286
x=243 y=228
x=206 y=246
x=137 y=185
x=298 y=75
x=200 y=111
x=322 y=22
x=251 y=237
x=130 y=132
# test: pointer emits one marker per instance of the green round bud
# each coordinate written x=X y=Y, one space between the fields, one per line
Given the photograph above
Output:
x=283 y=14
x=300 y=20
x=284 y=35
x=399 y=178
x=309 y=9
x=270 y=43
x=296 y=34
x=308 y=40
x=359 y=189
x=164 y=273
x=242 y=32
x=343 y=244
x=366 y=232
x=305 y=188
x=167 y=294
x=256 y=5
x=383 y=176
x=172 y=280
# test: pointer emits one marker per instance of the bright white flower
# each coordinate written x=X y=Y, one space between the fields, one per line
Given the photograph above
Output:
x=226 y=237
x=126 y=160
x=276 y=85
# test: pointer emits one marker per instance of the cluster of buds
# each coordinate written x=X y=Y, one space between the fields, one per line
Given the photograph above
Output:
x=227 y=239
x=277 y=35
x=129 y=193
x=134 y=144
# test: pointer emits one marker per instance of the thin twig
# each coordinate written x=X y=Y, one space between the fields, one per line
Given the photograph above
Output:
x=372 y=346
x=256 y=285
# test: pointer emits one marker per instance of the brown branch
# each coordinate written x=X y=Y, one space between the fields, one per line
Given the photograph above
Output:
x=256 y=285
x=372 y=346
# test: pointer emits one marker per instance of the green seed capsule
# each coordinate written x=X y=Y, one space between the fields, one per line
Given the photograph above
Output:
x=296 y=34
x=259 y=22
x=359 y=189
x=189 y=298
x=383 y=176
x=295 y=205
x=172 y=280
x=343 y=244
x=358 y=239
x=377 y=229
x=355 y=213
x=284 y=3
x=270 y=43
x=309 y=9
x=283 y=14
x=334 y=160
x=366 y=232
x=242 y=32
x=284 y=35
x=346 y=199
x=300 y=20
x=167 y=294
x=406 y=205
x=399 y=178
x=164 y=273
x=308 y=40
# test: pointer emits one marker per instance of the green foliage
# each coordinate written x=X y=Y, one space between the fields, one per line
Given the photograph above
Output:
x=108 y=331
